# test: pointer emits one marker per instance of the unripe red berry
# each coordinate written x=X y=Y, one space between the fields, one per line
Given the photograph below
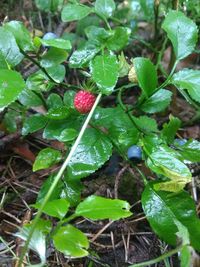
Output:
x=84 y=101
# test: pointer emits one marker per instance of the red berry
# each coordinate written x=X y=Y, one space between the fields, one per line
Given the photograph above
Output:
x=84 y=101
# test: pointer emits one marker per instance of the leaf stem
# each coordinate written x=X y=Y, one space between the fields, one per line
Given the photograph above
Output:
x=57 y=178
x=160 y=258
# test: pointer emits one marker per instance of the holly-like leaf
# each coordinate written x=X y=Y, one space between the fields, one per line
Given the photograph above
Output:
x=119 y=39
x=75 y=11
x=105 y=72
x=146 y=75
x=21 y=34
x=157 y=102
x=84 y=54
x=71 y=242
x=46 y=158
x=33 y=124
x=99 y=208
x=53 y=57
x=38 y=239
x=105 y=8
x=8 y=48
x=162 y=208
x=11 y=85
x=92 y=152
x=167 y=164
x=190 y=80
x=182 y=32
x=55 y=208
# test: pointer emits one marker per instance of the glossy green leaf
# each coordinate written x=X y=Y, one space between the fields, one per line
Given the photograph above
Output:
x=119 y=39
x=98 y=34
x=54 y=101
x=8 y=48
x=49 y=5
x=99 y=208
x=38 y=82
x=53 y=57
x=11 y=85
x=117 y=125
x=57 y=73
x=167 y=164
x=58 y=113
x=68 y=135
x=157 y=102
x=182 y=32
x=190 y=150
x=68 y=99
x=92 y=152
x=30 y=99
x=105 y=7
x=190 y=80
x=38 y=239
x=83 y=55
x=105 y=72
x=146 y=75
x=33 y=124
x=72 y=190
x=169 y=129
x=21 y=34
x=75 y=11
x=71 y=242
x=46 y=158
x=162 y=208
x=55 y=208
x=57 y=43
x=146 y=124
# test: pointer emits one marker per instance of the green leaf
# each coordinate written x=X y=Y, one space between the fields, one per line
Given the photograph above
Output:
x=71 y=242
x=186 y=256
x=169 y=129
x=49 y=5
x=8 y=48
x=11 y=85
x=38 y=82
x=38 y=239
x=10 y=120
x=182 y=32
x=72 y=191
x=162 y=208
x=54 y=101
x=157 y=102
x=146 y=75
x=68 y=135
x=57 y=73
x=117 y=125
x=46 y=158
x=30 y=99
x=119 y=39
x=21 y=34
x=57 y=43
x=190 y=80
x=55 y=208
x=165 y=163
x=68 y=99
x=75 y=11
x=58 y=113
x=83 y=55
x=105 y=8
x=33 y=124
x=98 y=34
x=105 y=72
x=190 y=150
x=99 y=208
x=182 y=234
x=53 y=57
x=3 y=63
x=146 y=124
x=92 y=152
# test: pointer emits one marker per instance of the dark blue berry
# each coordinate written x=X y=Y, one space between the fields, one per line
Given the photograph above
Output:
x=180 y=142
x=49 y=36
x=134 y=153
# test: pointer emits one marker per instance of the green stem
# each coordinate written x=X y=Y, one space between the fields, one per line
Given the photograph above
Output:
x=167 y=81
x=161 y=258
x=56 y=180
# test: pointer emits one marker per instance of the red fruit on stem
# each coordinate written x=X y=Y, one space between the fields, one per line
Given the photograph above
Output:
x=84 y=101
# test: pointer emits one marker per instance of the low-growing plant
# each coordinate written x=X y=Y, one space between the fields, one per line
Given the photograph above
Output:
x=91 y=132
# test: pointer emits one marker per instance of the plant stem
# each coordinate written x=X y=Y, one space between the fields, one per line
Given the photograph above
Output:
x=156 y=11
x=56 y=180
x=161 y=258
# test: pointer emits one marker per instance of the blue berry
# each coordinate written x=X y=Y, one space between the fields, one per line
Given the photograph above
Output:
x=134 y=153
x=180 y=142
x=49 y=36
